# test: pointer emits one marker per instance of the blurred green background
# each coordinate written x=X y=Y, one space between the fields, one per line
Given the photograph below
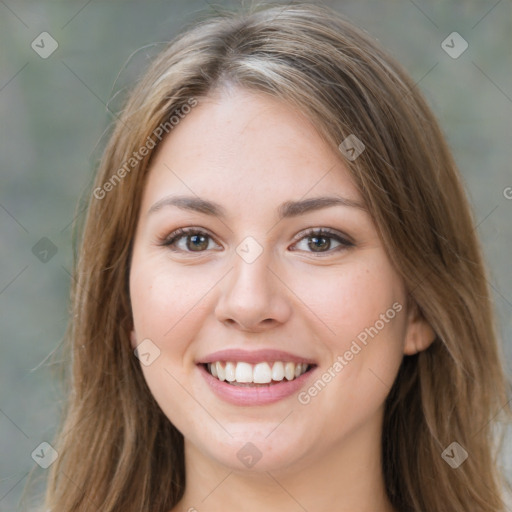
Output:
x=54 y=113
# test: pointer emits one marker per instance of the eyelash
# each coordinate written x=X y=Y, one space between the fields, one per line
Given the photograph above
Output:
x=173 y=237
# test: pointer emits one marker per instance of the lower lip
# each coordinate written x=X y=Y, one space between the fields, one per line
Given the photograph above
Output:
x=259 y=395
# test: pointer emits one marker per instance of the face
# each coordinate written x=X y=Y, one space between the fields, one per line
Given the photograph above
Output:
x=296 y=306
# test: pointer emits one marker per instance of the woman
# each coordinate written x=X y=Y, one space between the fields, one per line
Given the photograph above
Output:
x=280 y=302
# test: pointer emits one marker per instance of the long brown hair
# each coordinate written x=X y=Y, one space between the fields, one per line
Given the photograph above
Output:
x=117 y=450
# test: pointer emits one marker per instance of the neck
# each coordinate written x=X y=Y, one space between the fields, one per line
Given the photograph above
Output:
x=348 y=475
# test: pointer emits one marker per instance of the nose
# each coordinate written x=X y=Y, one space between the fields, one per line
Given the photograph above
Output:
x=253 y=296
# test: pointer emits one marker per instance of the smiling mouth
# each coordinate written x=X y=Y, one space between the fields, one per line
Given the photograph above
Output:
x=255 y=375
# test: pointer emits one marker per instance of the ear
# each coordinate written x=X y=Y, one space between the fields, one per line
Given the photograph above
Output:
x=419 y=335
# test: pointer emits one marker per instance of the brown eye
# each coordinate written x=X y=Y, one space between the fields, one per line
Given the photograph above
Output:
x=195 y=240
x=321 y=241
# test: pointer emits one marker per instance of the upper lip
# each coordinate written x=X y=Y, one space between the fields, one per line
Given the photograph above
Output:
x=253 y=356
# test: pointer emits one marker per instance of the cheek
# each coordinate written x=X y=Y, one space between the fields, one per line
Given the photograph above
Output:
x=164 y=300
x=346 y=301
x=166 y=306
x=364 y=311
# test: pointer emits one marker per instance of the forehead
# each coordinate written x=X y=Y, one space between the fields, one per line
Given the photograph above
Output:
x=248 y=149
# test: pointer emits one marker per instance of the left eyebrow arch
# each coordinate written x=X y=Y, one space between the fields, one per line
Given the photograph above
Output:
x=286 y=210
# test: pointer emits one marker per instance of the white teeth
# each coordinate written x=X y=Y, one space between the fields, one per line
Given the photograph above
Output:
x=243 y=372
x=289 y=371
x=221 y=372
x=230 y=372
x=278 y=371
x=260 y=373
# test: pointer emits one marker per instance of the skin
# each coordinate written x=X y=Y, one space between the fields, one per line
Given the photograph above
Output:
x=250 y=153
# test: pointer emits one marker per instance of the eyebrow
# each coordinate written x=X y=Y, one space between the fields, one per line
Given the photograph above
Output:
x=286 y=210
